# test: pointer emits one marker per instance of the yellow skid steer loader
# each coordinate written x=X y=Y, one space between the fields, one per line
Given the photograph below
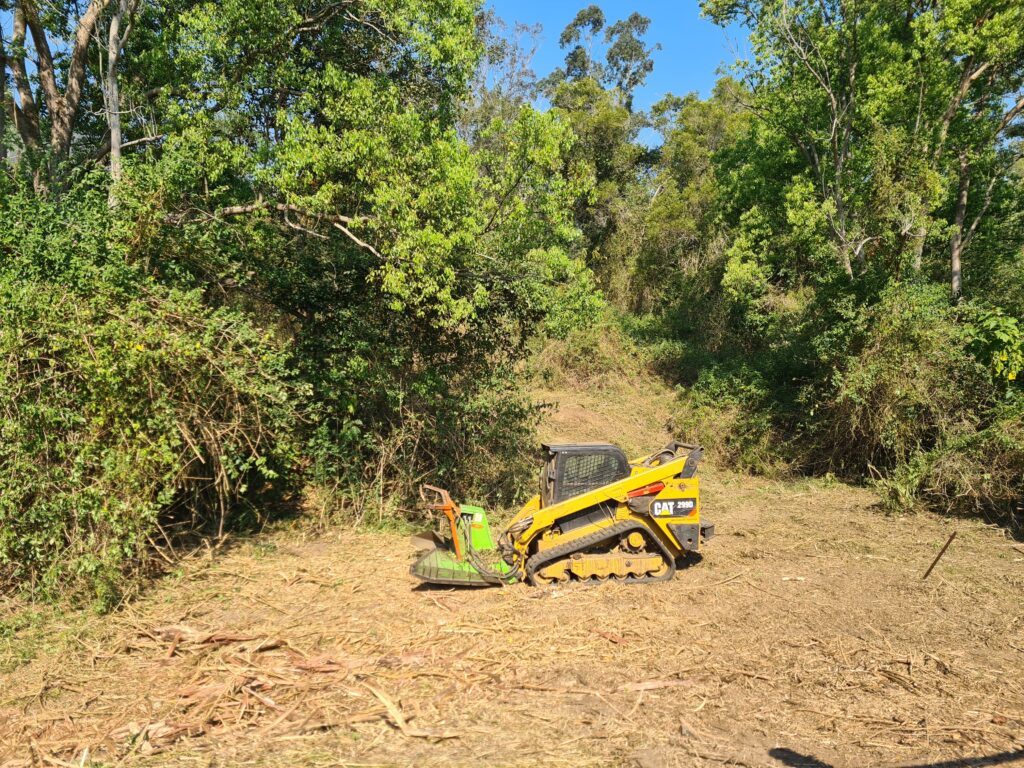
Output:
x=598 y=516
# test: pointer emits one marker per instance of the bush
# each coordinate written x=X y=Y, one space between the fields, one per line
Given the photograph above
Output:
x=396 y=403
x=478 y=442
x=127 y=417
x=483 y=445
x=979 y=472
x=591 y=355
x=910 y=390
x=729 y=411
x=908 y=383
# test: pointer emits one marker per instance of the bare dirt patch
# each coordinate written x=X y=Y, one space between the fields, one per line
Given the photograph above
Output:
x=806 y=634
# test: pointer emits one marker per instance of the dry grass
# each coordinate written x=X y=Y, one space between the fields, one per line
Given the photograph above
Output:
x=807 y=628
x=806 y=636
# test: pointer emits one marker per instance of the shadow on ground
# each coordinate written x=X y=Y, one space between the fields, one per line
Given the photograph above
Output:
x=794 y=759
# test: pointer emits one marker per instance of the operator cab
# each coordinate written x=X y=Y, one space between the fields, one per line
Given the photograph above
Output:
x=572 y=469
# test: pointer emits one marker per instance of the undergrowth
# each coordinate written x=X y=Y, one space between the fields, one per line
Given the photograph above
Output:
x=126 y=420
x=918 y=396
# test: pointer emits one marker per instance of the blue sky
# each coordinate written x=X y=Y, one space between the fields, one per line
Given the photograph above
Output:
x=692 y=48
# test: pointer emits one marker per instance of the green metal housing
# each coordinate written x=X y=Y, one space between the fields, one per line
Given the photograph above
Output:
x=442 y=566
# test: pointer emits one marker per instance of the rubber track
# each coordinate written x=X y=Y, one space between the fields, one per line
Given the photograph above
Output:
x=613 y=532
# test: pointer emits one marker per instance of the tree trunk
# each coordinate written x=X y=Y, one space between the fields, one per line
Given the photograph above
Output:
x=116 y=39
x=3 y=112
x=114 y=111
x=919 y=238
x=844 y=260
x=28 y=115
x=62 y=106
x=955 y=283
x=113 y=94
x=956 y=240
x=914 y=234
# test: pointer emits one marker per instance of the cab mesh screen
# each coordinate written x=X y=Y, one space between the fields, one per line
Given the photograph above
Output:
x=587 y=471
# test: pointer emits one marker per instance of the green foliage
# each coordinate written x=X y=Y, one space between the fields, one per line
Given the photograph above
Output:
x=590 y=355
x=997 y=338
x=890 y=113
x=303 y=273
x=405 y=266
x=488 y=450
x=680 y=254
x=126 y=409
x=576 y=303
x=978 y=469
x=977 y=472
x=728 y=410
x=627 y=57
x=745 y=280
x=910 y=385
x=593 y=95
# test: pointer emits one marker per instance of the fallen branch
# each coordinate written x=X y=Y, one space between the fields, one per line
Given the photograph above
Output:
x=720 y=583
x=652 y=685
x=939 y=556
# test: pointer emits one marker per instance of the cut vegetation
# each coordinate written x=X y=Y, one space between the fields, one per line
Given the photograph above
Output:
x=806 y=633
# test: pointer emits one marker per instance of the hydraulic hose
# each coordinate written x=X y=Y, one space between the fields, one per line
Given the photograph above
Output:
x=491 y=575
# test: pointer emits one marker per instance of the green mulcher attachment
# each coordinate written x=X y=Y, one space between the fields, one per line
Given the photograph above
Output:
x=469 y=557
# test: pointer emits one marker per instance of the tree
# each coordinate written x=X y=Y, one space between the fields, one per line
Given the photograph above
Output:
x=61 y=104
x=578 y=37
x=118 y=31
x=593 y=93
x=925 y=94
x=504 y=81
x=629 y=59
x=680 y=253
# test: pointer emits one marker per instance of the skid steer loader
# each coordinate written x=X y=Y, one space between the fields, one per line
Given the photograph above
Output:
x=598 y=516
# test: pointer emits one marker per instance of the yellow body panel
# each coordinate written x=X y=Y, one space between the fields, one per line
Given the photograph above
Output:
x=544 y=520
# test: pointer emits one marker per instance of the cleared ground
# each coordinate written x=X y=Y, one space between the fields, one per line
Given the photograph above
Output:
x=806 y=636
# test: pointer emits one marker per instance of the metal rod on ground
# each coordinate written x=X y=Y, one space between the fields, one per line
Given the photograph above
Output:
x=938 y=556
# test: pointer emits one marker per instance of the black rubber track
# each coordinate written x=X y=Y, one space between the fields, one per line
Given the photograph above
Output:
x=616 y=531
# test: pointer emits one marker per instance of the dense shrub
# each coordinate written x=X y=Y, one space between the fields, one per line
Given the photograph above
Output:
x=978 y=466
x=590 y=354
x=729 y=410
x=907 y=383
x=473 y=437
x=977 y=472
x=921 y=396
x=125 y=417
x=130 y=412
